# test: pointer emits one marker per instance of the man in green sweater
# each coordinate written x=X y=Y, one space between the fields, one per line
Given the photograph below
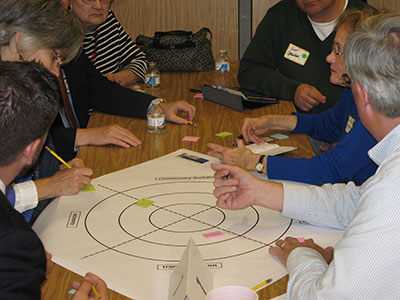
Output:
x=286 y=58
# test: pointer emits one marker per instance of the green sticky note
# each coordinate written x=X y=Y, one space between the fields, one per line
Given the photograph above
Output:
x=144 y=202
x=223 y=134
x=89 y=188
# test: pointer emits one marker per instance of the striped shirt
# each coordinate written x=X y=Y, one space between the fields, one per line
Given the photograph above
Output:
x=111 y=49
x=366 y=260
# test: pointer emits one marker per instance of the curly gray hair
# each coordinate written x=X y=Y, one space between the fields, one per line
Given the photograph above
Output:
x=43 y=24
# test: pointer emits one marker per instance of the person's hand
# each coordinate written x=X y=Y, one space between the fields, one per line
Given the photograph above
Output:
x=173 y=109
x=74 y=163
x=284 y=247
x=84 y=289
x=49 y=265
x=307 y=96
x=240 y=156
x=253 y=127
x=64 y=182
x=327 y=147
x=111 y=134
x=236 y=188
x=123 y=78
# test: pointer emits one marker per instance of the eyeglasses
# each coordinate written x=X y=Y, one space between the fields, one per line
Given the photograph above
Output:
x=336 y=50
x=91 y=2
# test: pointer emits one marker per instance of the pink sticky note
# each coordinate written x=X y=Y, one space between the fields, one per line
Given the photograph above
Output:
x=213 y=235
x=198 y=96
x=301 y=239
x=191 y=138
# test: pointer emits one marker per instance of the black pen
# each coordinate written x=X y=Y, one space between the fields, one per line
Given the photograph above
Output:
x=240 y=137
x=226 y=177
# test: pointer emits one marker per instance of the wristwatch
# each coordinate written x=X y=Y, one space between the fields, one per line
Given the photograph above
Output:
x=260 y=164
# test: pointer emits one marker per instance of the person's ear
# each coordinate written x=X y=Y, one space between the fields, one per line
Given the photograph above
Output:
x=14 y=42
x=30 y=151
x=364 y=99
x=65 y=4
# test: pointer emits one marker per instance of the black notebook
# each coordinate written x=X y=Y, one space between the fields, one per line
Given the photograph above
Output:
x=234 y=99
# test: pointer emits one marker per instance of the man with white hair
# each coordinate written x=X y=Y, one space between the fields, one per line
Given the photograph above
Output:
x=364 y=263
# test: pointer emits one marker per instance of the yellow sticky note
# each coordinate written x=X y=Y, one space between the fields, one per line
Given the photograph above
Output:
x=144 y=202
x=88 y=188
x=223 y=134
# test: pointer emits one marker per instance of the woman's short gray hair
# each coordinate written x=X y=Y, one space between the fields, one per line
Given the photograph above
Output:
x=372 y=58
x=43 y=23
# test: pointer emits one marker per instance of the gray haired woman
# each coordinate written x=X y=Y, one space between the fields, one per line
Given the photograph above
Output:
x=37 y=30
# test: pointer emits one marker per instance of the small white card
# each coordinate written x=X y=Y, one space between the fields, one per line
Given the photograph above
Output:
x=269 y=149
x=297 y=54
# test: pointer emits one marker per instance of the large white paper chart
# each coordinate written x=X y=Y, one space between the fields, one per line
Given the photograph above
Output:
x=133 y=230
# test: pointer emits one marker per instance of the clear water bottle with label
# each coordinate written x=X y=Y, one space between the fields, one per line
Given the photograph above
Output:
x=222 y=61
x=152 y=78
x=155 y=117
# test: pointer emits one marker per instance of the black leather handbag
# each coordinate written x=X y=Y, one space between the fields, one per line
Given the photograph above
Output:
x=179 y=51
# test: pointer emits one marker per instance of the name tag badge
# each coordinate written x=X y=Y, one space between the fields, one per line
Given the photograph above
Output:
x=350 y=124
x=296 y=54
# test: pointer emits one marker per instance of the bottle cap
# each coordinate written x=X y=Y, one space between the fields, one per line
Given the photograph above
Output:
x=222 y=51
x=158 y=101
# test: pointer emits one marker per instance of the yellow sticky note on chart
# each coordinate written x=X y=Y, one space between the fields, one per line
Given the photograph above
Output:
x=89 y=188
x=144 y=202
x=223 y=134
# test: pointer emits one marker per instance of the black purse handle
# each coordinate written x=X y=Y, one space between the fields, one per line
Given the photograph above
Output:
x=160 y=34
x=173 y=32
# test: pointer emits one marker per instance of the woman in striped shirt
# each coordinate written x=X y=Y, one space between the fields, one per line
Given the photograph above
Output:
x=106 y=43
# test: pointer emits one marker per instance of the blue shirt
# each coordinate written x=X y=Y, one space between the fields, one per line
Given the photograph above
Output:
x=347 y=161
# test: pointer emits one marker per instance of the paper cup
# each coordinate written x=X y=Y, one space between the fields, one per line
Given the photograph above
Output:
x=232 y=292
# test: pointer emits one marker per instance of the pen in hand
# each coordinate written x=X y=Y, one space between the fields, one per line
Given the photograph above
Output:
x=240 y=137
x=96 y=293
x=59 y=158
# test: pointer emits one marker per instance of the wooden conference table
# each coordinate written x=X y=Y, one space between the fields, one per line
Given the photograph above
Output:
x=210 y=119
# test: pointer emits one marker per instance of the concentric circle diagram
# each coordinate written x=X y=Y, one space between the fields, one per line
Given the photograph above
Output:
x=181 y=210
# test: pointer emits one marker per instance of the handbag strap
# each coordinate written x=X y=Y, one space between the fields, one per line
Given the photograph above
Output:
x=160 y=34
x=207 y=30
x=172 y=32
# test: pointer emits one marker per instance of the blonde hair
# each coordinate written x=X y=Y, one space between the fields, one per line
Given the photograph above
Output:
x=43 y=24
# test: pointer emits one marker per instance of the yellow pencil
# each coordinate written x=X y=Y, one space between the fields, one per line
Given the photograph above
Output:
x=59 y=158
x=262 y=284
x=96 y=293
x=87 y=188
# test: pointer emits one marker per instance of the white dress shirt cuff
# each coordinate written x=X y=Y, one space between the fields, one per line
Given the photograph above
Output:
x=295 y=201
x=26 y=196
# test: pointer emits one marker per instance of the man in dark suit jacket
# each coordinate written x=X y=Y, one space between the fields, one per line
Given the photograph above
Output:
x=28 y=105
x=28 y=96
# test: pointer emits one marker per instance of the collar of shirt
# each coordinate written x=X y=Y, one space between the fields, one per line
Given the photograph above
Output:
x=2 y=187
x=323 y=30
x=386 y=146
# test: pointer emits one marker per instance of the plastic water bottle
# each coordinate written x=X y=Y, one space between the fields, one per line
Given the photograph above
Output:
x=155 y=117
x=222 y=61
x=152 y=78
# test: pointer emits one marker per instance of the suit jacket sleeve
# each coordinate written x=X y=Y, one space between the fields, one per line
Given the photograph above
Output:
x=21 y=261
x=91 y=90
